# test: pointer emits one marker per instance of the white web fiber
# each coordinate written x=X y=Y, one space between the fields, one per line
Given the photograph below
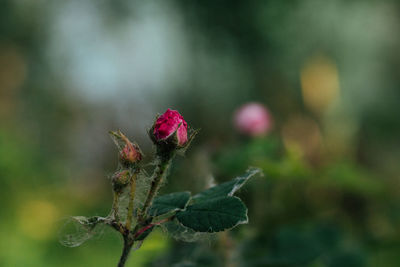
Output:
x=77 y=230
x=182 y=233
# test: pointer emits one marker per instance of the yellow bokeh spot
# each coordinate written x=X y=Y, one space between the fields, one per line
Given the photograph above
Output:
x=301 y=135
x=37 y=219
x=319 y=83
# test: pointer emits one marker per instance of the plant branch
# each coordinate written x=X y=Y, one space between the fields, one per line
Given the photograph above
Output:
x=131 y=200
x=115 y=208
x=158 y=175
x=128 y=243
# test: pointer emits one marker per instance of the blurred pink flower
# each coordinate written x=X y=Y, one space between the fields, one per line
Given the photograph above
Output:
x=168 y=123
x=253 y=119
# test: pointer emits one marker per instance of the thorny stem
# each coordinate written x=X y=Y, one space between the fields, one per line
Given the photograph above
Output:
x=130 y=235
x=131 y=201
x=158 y=175
x=115 y=206
x=129 y=239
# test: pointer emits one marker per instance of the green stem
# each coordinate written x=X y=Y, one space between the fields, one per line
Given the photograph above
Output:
x=115 y=207
x=158 y=175
x=131 y=201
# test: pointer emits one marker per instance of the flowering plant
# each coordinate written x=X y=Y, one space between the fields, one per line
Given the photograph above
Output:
x=213 y=210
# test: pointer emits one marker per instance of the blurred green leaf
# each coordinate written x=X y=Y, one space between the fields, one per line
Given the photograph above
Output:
x=346 y=258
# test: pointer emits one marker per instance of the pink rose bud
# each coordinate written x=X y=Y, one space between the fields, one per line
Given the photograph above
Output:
x=130 y=154
x=253 y=119
x=167 y=124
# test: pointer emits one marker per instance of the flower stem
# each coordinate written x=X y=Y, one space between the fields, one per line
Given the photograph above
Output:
x=131 y=201
x=115 y=207
x=128 y=243
x=158 y=175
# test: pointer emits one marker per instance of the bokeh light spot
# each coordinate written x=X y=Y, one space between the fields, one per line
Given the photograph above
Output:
x=37 y=219
x=319 y=83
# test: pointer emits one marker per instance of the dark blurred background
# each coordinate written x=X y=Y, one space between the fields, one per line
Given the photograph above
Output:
x=328 y=71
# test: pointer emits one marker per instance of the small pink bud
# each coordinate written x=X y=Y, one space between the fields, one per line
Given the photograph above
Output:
x=253 y=119
x=130 y=153
x=167 y=124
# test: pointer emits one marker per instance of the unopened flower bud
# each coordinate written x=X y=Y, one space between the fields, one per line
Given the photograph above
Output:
x=170 y=127
x=120 y=179
x=130 y=154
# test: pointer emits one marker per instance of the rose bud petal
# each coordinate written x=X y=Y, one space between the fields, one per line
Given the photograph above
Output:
x=169 y=123
x=253 y=119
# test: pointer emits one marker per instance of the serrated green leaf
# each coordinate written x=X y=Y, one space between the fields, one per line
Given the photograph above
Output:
x=170 y=202
x=214 y=215
x=227 y=188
